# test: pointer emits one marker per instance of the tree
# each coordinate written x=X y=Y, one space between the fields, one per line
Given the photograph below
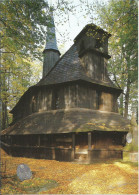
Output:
x=23 y=30
x=120 y=18
x=23 y=26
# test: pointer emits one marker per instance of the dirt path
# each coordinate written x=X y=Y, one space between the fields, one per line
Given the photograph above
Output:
x=99 y=178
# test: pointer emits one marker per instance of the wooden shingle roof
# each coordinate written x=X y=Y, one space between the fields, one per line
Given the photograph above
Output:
x=69 y=68
x=70 y=120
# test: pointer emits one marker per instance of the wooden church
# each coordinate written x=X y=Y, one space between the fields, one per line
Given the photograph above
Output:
x=71 y=114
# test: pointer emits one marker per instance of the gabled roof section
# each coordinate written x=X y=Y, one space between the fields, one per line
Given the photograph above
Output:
x=69 y=68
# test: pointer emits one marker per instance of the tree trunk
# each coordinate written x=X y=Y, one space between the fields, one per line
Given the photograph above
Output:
x=0 y=92
x=121 y=104
x=3 y=115
x=127 y=98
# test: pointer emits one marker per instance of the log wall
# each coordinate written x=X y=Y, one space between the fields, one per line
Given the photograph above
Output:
x=87 y=97
x=64 y=97
x=88 y=146
x=94 y=66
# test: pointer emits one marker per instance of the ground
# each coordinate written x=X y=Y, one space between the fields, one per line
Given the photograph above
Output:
x=54 y=177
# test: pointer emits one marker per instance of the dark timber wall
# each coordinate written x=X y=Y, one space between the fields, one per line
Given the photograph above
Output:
x=64 y=97
x=88 y=146
x=94 y=65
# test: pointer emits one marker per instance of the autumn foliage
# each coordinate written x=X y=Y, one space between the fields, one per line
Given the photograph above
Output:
x=54 y=177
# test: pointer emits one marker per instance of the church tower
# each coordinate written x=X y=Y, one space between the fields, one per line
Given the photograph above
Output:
x=51 y=52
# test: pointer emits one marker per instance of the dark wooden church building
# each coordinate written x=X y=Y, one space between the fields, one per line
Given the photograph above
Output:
x=71 y=114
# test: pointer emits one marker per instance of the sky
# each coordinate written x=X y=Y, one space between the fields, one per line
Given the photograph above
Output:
x=69 y=24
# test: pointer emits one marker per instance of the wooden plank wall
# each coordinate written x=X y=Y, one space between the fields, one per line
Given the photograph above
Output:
x=93 y=65
x=48 y=140
x=64 y=97
x=60 y=146
x=108 y=140
x=106 y=102
x=86 y=97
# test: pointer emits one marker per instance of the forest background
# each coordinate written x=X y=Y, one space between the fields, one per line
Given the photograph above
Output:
x=22 y=39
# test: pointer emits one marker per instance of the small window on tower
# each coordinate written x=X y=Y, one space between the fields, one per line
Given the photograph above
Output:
x=98 y=43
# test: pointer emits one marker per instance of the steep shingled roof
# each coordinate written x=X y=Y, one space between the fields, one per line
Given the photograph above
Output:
x=69 y=68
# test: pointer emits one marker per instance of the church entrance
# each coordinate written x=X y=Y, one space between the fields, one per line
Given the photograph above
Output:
x=81 y=146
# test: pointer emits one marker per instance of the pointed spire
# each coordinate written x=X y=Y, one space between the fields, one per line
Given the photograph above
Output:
x=51 y=42
x=51 y=52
